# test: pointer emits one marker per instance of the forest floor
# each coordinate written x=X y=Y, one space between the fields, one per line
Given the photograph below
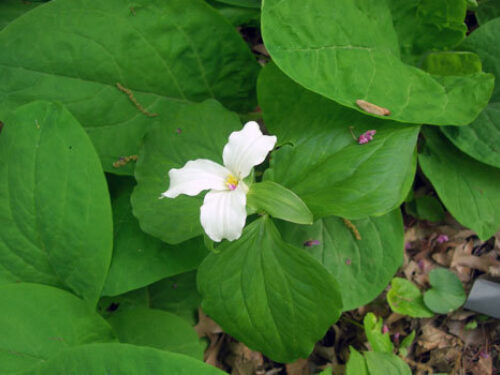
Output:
x=462 y=342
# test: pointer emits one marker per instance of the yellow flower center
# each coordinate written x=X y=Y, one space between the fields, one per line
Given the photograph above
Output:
x=231 y=182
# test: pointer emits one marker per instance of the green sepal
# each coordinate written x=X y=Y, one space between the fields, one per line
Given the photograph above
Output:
x=279 y=202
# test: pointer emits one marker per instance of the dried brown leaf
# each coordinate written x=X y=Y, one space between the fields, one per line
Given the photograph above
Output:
x=484 y=366
x=243 y=360
x=206 y=326
x=434 y=338
x=299 y=367
x=469 y=337
x=372 y=108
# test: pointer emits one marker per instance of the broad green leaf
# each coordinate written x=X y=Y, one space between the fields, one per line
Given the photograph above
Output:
x=447 y=293
x=39 y=321
x=326 y=167
x=12 y=9
x=279 y=202
x=472 y=4
x=469 y=189
x=483 y=42
x=122 y=359
x=347 y=50
x=237 y=15
x=426 y=208
x=356 y=365
x=480 y=139
x=380 y=342
x=158 y=329
x=139 y=259
x=56 y=215
x=152 y=47
x=386 y=364
x=268 y=294
x=452 y=63
x=424 y=25
x=135 y=299
x=364 y=267
x=177 y=294
x=199 y=131
x=487 y=10
x=405 y=298
x=242 y=3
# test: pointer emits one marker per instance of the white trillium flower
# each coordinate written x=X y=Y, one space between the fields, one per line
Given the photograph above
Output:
x=223 y=213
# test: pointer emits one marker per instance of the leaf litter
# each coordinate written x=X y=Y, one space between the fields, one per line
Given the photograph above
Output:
x=462 y=342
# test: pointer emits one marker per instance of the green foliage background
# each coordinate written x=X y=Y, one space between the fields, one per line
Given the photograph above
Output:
x=97 y=273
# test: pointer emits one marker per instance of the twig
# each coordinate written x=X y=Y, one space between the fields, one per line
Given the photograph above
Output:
x=134 y=100
x=353 y=228
x=124 y=160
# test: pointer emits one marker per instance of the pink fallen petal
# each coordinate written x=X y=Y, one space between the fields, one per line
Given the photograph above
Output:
x=442 y=238
x=366 y=136
x=371 y=133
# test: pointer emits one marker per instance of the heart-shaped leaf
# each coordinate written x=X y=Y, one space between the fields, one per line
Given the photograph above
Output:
x=348 y=50
x=447 y=293
x=56 y=215
x=271 y=295
x=405 y=298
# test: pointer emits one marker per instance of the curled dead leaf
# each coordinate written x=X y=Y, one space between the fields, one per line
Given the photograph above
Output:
x=434 y=338
x=372 y=108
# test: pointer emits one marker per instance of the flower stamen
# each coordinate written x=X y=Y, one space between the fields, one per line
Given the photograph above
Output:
x=231 y=182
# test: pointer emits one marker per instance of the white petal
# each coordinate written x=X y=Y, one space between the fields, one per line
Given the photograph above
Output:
x=247 y=148
x=223 y=214
x=195 y=176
